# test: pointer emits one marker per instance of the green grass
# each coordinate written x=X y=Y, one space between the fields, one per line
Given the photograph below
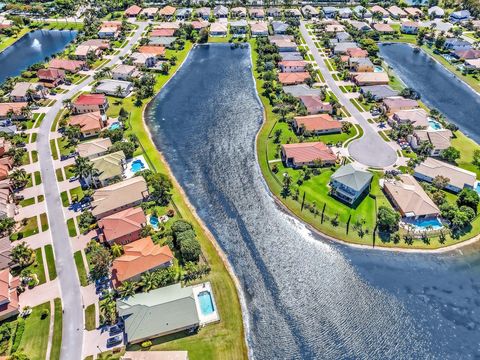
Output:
x=72 y=230
x=52 y=271
x=467 y=147
x=56 y=120
x=40 y=198
x=39 y=120
x=82 y=273
x=33 y=137
x=38 y=178
x=76 y=193
x=53 y=148
x=12 y=39
x=35 y=337
x=38 y=268
x=69 y=171
x=27 y=202
x=356 y=104
x=65 y=201
x=59 y=174
x=57 y=331
x=44 y=221
x=34 y=156
x=384 y=136
x=90 y=317
x=63 y=145
x=31 y=228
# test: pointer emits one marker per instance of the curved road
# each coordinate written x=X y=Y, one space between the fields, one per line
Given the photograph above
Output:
x=73 y=322
x=370 y=149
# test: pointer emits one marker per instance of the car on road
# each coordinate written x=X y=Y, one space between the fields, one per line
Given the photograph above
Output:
x=115 y=340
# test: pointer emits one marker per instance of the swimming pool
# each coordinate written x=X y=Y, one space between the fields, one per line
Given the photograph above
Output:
x=154 y=221
x=114 y=126
x=206 y=302
x=377 y=69
x=137 y=165
x=434 y=125
x=477 y=187
x=427 y=224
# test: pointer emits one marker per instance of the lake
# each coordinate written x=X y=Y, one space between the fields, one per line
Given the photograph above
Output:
x=307 y=298
x=32 y=48
x=440 y=89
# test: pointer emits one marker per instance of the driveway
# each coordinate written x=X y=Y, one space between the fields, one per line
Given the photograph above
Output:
x=370 y=149
x=73 y=317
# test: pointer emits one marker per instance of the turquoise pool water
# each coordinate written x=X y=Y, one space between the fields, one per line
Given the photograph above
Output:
x=425 y=224
x=206 y=302
x=435 y=125
x=114 y=126
x=477 y=187
x=154 y=221
x=137 y=165
x=377 y=69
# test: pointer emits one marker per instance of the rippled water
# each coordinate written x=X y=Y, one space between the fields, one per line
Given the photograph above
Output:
x=439 y=88
x=306 y=297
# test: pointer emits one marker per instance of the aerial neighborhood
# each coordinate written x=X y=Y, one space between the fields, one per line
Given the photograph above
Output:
x=87 y=200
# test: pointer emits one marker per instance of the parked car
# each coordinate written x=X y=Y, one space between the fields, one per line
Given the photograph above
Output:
x=34 y=107
x=116 y=329
x=114 y=340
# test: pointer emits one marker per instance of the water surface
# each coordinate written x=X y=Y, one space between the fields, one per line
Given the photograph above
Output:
x=440 y=89
x=306 y=297
x=32 y=48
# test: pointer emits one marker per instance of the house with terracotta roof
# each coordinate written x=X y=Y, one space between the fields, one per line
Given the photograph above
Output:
x=100 y=44
x=108 y=32
x=9 y=305
x=200 y=24
x=383 y=28
x=409 y=27
x=90 y=103
x=25 y=91
x=162 y=32
x=292 y=66
x=167 y=12
x=119 y=196
x=109 y=168
x=413 y=12
x=90 y=123
x=133 y=11
x=318 y=124
x=259 y=29
x=418 y=118
x=94 y=148
x=218 y=29
x=122 y=227
x=371 y=78
x=256 y=13
x=396 y=12
x=14 y=110
x=82 y=52
x=138 y=257
x=4 y=170
x=467 y=54
x=293 y=78
x=158 y=51
x=167 y=25
x=378 y=9
x=5 y=146
x=112 y=23
x=315 y=105
x=71 y=66
x=50 y=78
x=356 y=52
x=307 y=154
x=409 y=198
x=397 y=103
x=440 y=140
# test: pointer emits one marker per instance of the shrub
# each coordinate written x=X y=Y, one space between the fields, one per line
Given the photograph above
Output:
x=17 y=337
x=190 y=249
x=146 y=344
x=181 y=226
x=45 y=313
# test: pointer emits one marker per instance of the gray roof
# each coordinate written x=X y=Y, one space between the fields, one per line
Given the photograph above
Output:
x=112 y=85
x=300 y=90
x=379 y=91
x=239 y=23
x=279 y=26
x=220 y=10
x=354 y=178
x=342 y=36
x=343 y=46
x=162 y=40
x=291 y=56
x=157 y=312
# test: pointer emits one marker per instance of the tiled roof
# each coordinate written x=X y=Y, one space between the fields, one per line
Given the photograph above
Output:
x=308 y=152
x=122 y=223
x=318 y=122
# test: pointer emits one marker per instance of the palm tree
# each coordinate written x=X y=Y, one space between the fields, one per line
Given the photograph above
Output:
x=118 y=91
x=117 y=250
x=19 y=178
x=148 y=281
x=127 y=289
x=84 y=169
x=22 y=254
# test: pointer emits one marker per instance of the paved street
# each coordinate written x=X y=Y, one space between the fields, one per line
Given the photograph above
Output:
x=370 y=149
x=73 y=318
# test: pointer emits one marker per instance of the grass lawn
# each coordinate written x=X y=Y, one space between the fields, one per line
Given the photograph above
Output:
x=384 y=136
x=76 y=193
x=90 y=317
x=69 y=171
x=52 y=270
x=59 y=174
x=57 y=331
x=35 y=337
x=29 y=229
x=53 y=148
x=65 y=201
x=33 y=137
x=44 y=221
x=72 y=230
x=38 y=178
x=466 y=146
x=40 y=198
x=34 y=156
x=37 y=267
x=39 y=120
x=82 y=273
x=27 y=202
x=64 y=147
x=12 y=39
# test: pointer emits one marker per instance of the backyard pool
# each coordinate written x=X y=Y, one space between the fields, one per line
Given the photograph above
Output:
x=426 y=224
x=434 y=125
x=154 y=221
x=477 y=187
x=206 y=302
x=115 y=125
x=377 y=69
x=137 y=165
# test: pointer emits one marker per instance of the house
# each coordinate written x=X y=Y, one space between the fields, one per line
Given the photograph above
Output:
x=459 y=16
x=316 y=124
x=285 y=45
x=133 y=11
x=100 y=44
x=167 y=12
x=409 y=27
x=159 y=312
x=14 y=110
x=291 y=56
x=109 y=167
x=307 y=154
x=345 y=13
x=108 y=32
x=413 y=12
x=218 y=29
x=5 y=146
x=239 y=26
x=94 y=148
x=409 y=198
x=6 y=253
x=9 y=304
x=397 y=103
x=143 y=60
x=315 y=105
x=89 y=103
x=158 y=51
x=220 y=11
x=418 y=118
x=341 y=48
x=301 y=90
x=436 y=12
x=292 y=66
x=356 y=52
x=119 y=196
x=467 y=54
x=396 y=12
x=378 y=9
x=4 y=170
x=25 y=91
x=371 y=78
x=330 y=12
x=349 y=183
x=7 y=209
x=51 y=78
x=183 y=13
x=165 y=41
x=239 y=12
x=167 y=25
x=362 y=64
x=360 y=25
x=383 y=28
x=440 y=140
x=293 y=78
x=124 y=72
x=458 y=178
x=118 y=88
x=138 y=257
x=259 y=29
x=456 y=44
x=256 y=13
x=112 y=23
x=199 y=25
x=279 y=27
x=90 y=123
x=472 y=63
x=122 y=227
x=82 y=52
x=70 y=66
x=309 y=11
x=294 y=13
x=334 y=29
x=273 y=12
x=361 y=12
x=203 y=12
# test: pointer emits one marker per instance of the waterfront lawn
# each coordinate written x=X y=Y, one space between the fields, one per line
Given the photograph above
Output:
x=35 y=337
x=7 y=41
x=466 y=146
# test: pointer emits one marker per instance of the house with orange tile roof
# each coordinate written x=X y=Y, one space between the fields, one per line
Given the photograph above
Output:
x=90 y=123
x=383 y=28
x=140 y=256
x=412 y=11
x=379 y=9
x=397 y=103
x=356 y=52
x=9 y=305
x=316 y=124
x=122 y=227
x=292 y=65
x=396 y=12
x=71 y=66
x=293 y=78
x=371 y=78
x=158 y=51
x=167 y=12
x=133 y=11
x=13 y=110
x=162 y=32
x=90 y=103
x=5 y=146
x=315 y=105
x=50 y=77
x=307 y=154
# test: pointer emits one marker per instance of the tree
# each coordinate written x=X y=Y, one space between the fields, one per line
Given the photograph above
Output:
x=86 y=220
x=476 y=159
x=190 y=248
x=468 y=197
x=7 y=225
x=148 y=281
x=23 y=255
x=73 y=134
x=127 y=147
x=450 y=154
x=287 y=182
x=118 y=91
x=84 y=169
x=117 y=250
x=101 y=260
x=128 y=288
x=162 y=187
x=440 y=182
x=19 y=178
x=387 y=219
x=18 y=356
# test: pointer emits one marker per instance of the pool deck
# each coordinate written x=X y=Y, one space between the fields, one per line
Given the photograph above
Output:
x=214 y=316
x=128 y=172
